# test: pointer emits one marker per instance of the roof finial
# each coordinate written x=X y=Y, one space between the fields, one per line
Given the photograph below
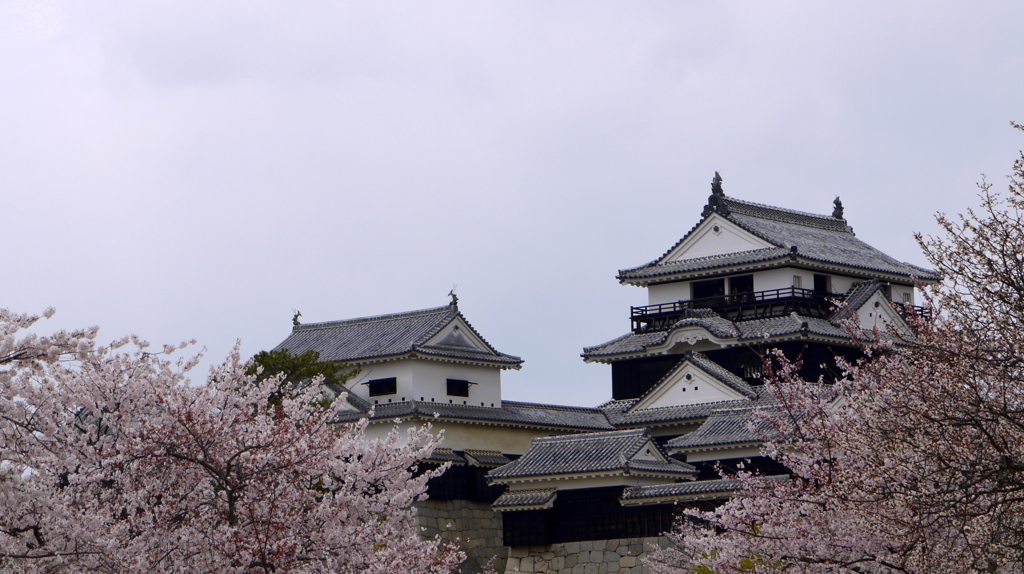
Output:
x=838 y=211
x=716 y=185
x=455 y=298
x=295 y=318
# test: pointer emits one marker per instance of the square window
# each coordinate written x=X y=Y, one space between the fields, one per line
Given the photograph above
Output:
x=380 y=387
x=458 y=388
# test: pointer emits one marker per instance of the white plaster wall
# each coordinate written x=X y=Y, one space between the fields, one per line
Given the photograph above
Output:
x=461 y=436
x=418 y=379
x=898 y=291
x=841 y=284
x=781 y=279
x=668 y=292
x=430 y=380
x=401 y=370
x=699 y=389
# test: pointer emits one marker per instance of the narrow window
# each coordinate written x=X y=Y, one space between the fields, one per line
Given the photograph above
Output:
x=458 y=388
x=797 y=281
x=908 y=298
x=380 y=387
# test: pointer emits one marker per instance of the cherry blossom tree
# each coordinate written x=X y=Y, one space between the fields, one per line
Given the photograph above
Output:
x=914 y=462
x=111 y=461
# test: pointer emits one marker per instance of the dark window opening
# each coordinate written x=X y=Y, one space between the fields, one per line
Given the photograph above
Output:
x=380 y=387
x=458 y=388
x=741 y=284
x=822 y=284
x=713 y=288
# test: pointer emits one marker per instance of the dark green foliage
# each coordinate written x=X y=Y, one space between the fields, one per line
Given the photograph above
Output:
x=299 y=369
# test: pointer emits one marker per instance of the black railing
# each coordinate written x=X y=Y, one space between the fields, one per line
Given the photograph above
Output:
x=737 y=306
x=753 y=305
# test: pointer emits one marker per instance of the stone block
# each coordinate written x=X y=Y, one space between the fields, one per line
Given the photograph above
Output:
x=578 y=569
x=571 y=547
x=526 y=564
x=572 y=560
x=591 y=568
x=627 y=561
x=557 y=563
x=512 y=565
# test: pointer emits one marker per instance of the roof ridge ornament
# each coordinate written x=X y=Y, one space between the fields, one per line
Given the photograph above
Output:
x=295 y=318
x=838 y=211
x=455 y=298
x=716 y=201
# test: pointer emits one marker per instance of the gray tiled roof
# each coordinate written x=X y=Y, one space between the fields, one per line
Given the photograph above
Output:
x=486 y=457
x=791 y=324
x=654 y=269
x=681 y=489
x=445 y=455
x=856 y=298
x=720 y=429
x=525 y=499
x=587 y=453
x=620 y=415
x=818 y=238
x=788 y=325
x=390 y=335
x=510 y=412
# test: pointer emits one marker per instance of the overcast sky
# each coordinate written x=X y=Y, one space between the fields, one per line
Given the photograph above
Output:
x=197 y=169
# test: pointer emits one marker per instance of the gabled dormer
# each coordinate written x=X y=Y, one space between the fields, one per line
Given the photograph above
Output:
x=694 y=380
x=430 y=356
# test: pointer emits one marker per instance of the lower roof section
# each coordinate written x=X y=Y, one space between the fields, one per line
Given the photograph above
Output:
x=535 y=499
x=510 y=413
x=679 y=492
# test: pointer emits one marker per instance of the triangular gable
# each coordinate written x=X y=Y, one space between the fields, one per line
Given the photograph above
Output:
x=877 y=311
x=715 y=235
x=459 y=334
x=649 y=451
x=687 y=384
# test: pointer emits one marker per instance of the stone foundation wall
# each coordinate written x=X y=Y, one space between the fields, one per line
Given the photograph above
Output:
x=474 y=523
x=617 y=556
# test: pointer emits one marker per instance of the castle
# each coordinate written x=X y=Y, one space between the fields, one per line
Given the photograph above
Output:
x=548 y=488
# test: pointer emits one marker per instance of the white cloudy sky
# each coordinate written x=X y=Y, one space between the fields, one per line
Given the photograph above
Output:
x=199 y=169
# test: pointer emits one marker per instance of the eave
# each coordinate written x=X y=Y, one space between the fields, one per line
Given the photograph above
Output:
x=724 y=344
x=790 y=260
x=427 y=356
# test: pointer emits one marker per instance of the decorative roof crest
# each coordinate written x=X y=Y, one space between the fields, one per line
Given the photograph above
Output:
x=716 y=201
x=838 y=211
x=716 y=185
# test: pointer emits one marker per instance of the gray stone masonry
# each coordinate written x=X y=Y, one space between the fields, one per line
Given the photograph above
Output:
x=476 y=525
x=617 y=556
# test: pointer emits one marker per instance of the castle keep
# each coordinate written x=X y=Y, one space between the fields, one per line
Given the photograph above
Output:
x=550 y=488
